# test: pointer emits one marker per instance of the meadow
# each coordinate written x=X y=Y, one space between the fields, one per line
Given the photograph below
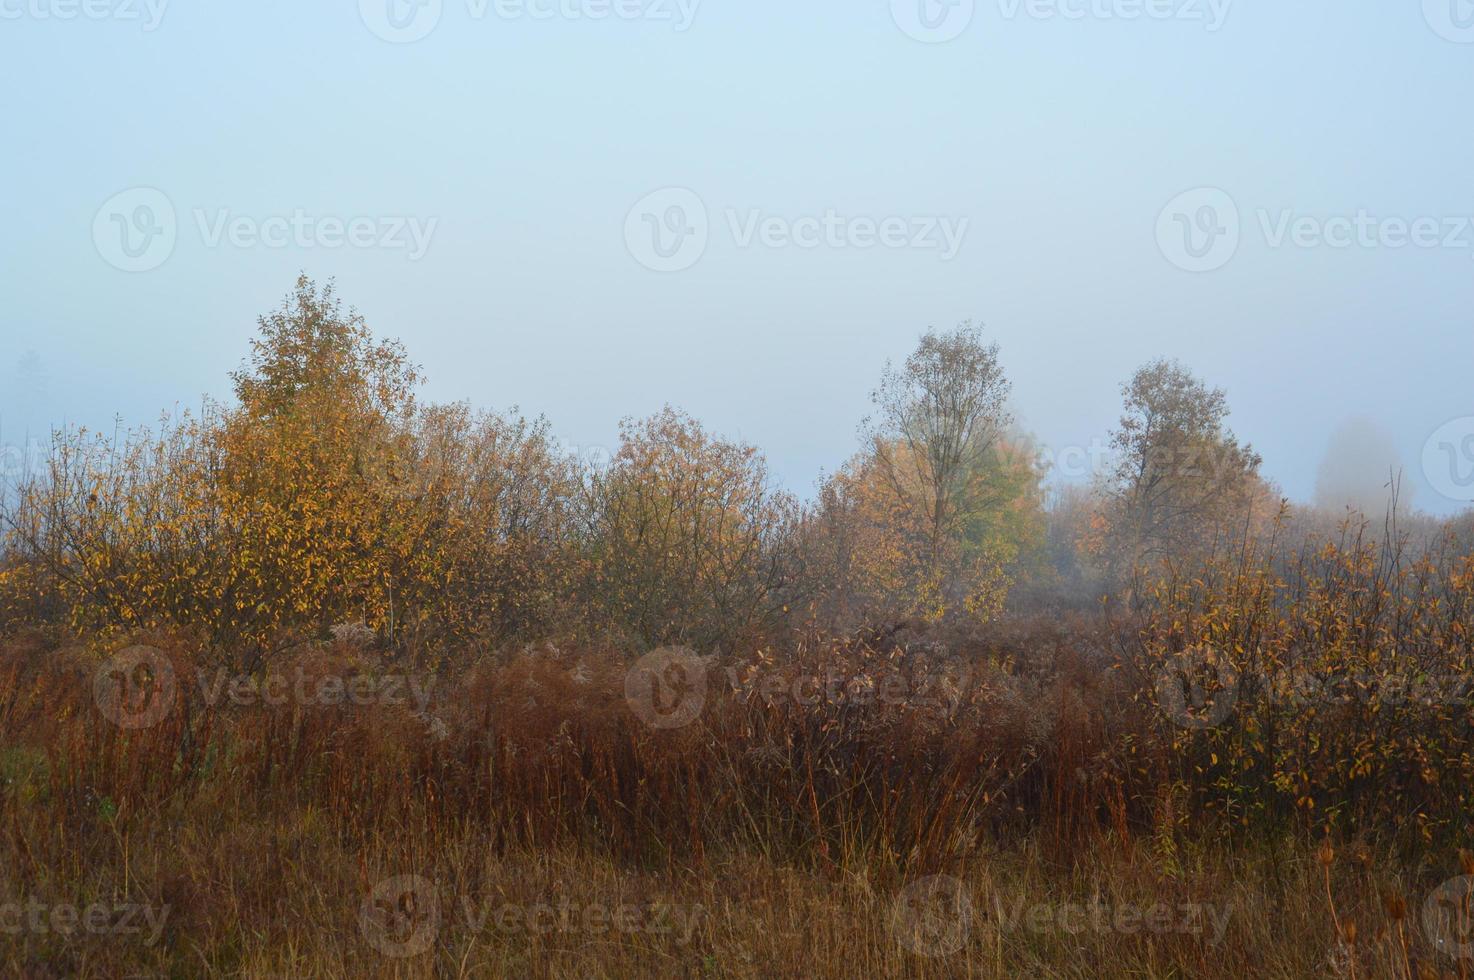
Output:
x=327 y=682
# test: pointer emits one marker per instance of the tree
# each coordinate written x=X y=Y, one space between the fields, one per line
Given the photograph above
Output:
x=923 y=523
x=685 y=540
x=1181 y=475
x=939 y=418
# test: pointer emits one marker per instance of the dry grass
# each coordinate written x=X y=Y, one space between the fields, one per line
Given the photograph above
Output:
x=966 y=817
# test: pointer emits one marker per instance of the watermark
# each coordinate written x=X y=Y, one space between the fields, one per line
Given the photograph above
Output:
x=401 y=917
x=138 y=687
x=1448 y=920
x=666 y=688
x=669 y=229
x=1200 y=688
x=147 y=14
x=1198 y=230
x=1207 y=920
x=932 y=916
x=935 y=916
x=135 y=688
x=20 y=461
x=1448 y=459
x=1201 y=230
x=96 y=919
x=407 y=21
x=564 y=916
x=940 y=21
x=1452 y=20
x=933 y=21
x=941 y=691
x=1210 y=13
x=1186 y=699
x=136 y=230
x=1076 y=461
x=592 y=458
x=276 y=689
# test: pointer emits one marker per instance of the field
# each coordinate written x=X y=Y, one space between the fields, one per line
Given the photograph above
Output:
x=329 y=683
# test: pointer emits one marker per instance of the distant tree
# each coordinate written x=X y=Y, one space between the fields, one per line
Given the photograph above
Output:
x=1181 y=474
x=938 y=419
x=926 y=520
x=1360 y=470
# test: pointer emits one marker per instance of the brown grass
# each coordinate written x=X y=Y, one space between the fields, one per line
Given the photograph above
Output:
x=971 y=815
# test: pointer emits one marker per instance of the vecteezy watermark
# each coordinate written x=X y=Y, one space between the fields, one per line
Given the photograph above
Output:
x=18 y=461
x=1452 y=20
x=275 y=689
x=1182 y=695
x=148 y=14
x=1448 y=459
x=595 y=458
x=401 y=917
x=406 y=21
x=137 y=229
x=668 y=230
x=932 y=916
x=1210 y=13
x=938 y=21
x=1448 y=919
x=937 y=689
x=1201 y=231
x=562 y=916
x=1125 y=918
x=137 y=688
x=97 y=919
x=1200 y=688
x=933 y=21
x=666 y=688
x=1198 y=230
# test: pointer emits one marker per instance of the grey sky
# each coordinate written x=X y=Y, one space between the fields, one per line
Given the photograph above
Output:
x=841 y=153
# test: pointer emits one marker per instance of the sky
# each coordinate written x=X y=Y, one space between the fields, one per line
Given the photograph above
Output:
x=591 y=208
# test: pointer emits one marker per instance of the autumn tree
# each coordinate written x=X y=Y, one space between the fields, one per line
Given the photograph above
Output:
x=686 y=542
x=1182 y=479
x=938 y=418
x=930 y=517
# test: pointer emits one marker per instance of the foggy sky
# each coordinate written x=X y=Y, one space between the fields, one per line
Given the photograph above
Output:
x=1062 y=159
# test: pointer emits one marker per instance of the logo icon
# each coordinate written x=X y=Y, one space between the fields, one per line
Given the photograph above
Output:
x=1181 y=694
x=932 y=916
x=667 y=230
x=401 y=916
x=1198 y=231
x=135 y=688
x=666 y=688
x=1448 y=459
x=135 y=230
x=1447 y=918
x=400 y=21
x=1452 y=20
x=932 y=21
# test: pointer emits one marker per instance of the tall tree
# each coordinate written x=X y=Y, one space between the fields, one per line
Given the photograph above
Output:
x=939 y=417
x=1180 y=472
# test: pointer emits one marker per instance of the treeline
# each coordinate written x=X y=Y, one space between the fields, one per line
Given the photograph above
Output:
x=327 y=496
